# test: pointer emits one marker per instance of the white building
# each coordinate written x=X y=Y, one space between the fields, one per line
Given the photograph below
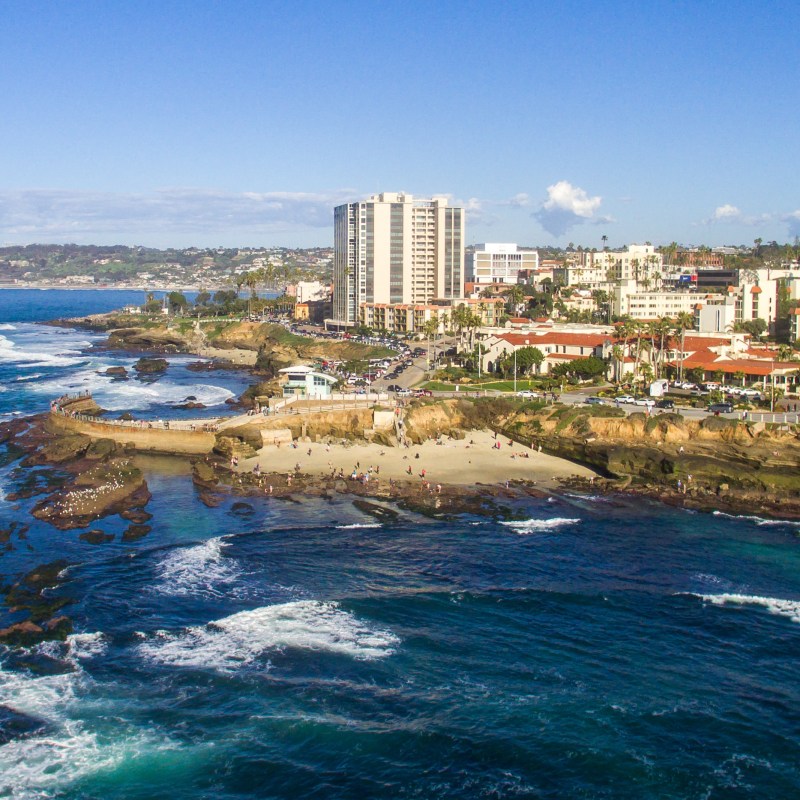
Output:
x=495 y=262
x=599 y=270
x=393 y=248
x=312 y=291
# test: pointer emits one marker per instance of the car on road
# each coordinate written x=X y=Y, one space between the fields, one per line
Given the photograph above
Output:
x=393 y=387
x=668 y=405
x=595 y=401
x=625 y=398
x=645 y=401
x=527 y=393
x=423 y=393
x=403 y=392
x=721 y=408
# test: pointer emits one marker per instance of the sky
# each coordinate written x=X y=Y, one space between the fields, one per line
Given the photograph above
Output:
x=175 y=123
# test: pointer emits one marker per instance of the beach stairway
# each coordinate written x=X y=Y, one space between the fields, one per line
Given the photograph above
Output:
x=230 y=447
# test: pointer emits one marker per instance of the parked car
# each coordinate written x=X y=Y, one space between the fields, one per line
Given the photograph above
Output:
x=666 y=404
x=595 y=401
x=393 y=387
x=753 y=393
x=527 y=393
x=403 y=392
x=645 y=401
x=423 y=393
x=721 y=408
x=625 y=398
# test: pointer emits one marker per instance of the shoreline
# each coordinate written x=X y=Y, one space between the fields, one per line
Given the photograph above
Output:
x=464 y=463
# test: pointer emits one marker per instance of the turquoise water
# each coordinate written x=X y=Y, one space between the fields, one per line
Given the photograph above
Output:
x=595 y=648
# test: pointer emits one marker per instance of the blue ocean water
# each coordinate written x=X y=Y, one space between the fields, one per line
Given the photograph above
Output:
x=593 y=648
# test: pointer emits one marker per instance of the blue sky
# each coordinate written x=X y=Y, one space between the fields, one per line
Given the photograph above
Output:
x=244 y=123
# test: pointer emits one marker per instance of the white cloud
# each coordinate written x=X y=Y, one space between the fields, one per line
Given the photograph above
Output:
x=726 y=213
x=520 y=200
x=566 y=206
x=44 y=215
x=793 y=221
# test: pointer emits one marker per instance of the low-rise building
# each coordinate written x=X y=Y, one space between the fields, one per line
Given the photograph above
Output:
x=495 y=262
x=305 y=382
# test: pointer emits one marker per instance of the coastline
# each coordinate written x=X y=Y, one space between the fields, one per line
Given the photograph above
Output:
x=469 y=462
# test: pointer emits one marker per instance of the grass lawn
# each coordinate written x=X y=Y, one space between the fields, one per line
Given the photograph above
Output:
x=498 y=386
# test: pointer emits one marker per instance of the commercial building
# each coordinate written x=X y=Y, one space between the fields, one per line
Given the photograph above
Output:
x=395 y=249
x=495 y=262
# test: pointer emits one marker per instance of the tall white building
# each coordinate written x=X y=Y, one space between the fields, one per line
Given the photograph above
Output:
x=393 y=248
x=495 y=262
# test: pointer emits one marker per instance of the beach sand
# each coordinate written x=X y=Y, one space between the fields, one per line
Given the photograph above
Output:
x=455 y=462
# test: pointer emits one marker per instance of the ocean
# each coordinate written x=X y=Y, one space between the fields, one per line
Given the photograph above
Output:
x=589 y=647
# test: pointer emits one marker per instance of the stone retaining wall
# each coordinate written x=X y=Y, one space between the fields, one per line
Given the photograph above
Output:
x=155 y=440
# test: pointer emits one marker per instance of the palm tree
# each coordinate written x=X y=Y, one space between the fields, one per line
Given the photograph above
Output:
x=605 y=241
x=684 y=320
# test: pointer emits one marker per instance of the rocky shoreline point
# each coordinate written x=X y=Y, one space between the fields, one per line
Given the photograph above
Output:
x=81 y=480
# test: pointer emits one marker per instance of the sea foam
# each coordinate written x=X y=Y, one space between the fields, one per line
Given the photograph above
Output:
x=758 y=520
x=199 y=569
x=539 y=525
x=243 y=638
x=775 y=605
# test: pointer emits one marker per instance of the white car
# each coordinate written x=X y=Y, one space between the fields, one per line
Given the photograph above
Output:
x=404 y=392
x=644 y=401
x=625 y=398
x=527 y=393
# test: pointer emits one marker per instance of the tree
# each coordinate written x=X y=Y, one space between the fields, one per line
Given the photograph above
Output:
x=528 y=357
x=684 y=321
x=177 y=302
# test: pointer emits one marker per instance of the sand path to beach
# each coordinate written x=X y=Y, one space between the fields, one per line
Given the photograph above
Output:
x=472 y=460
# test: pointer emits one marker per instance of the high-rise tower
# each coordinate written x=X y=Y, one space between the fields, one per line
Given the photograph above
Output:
x=393 y=248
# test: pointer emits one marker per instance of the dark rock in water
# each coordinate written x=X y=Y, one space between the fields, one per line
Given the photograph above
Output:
x=16 y=725
x=96 y=537
x=120 y=373
x=189 y=398
x=134 y=532
x=28 y=633
x=149 y=366
x=242 y=509
x=210 y=499
x=189 y=406
x=137 y=515
x=374 y=510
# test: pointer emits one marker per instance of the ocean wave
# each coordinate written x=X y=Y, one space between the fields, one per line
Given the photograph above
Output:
x=201 y=569
x=243 y=638
x=28 y=377
x=539 y=525
x=7 y=326
x=355 y=525
x=130 y=395
x=775 y=605
x=10 y=353
x=761 y=521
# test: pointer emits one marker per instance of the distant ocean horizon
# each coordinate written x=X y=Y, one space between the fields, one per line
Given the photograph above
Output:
x=568 y=646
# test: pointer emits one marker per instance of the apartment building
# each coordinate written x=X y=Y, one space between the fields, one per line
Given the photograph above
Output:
x=598 y=270
x=496 y=262
x=411 y=318
x=397 y=249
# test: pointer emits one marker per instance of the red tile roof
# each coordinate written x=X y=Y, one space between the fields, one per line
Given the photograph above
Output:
x=552 y=337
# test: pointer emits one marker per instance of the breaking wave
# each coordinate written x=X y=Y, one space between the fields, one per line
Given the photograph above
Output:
x=201 y=569
x=757 y=520
x=775 y=605
x=539 y=525
x=243 y=638
x=355 y=525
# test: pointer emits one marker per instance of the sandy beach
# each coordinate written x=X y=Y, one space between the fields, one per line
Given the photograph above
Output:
x=472 y=460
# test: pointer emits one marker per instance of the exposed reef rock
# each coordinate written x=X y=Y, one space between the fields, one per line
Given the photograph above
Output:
x=150 y=366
